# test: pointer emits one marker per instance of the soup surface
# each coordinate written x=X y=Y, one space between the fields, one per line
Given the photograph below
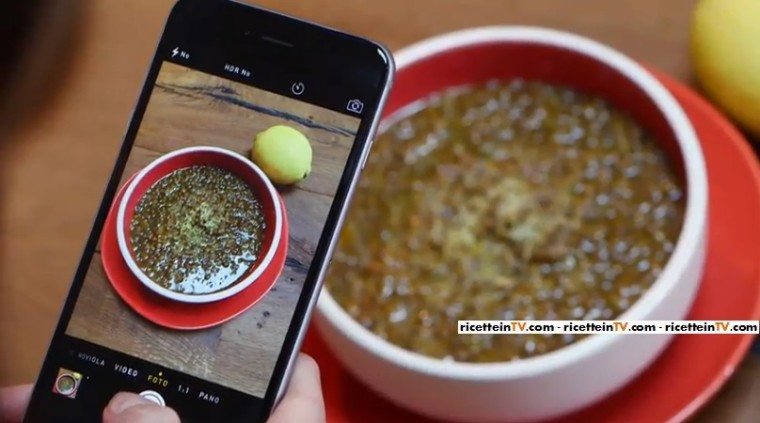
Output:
x=198 y=230
x=506 y=201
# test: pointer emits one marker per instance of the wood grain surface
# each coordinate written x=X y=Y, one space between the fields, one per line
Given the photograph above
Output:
x=188 y=108
x=55 y=170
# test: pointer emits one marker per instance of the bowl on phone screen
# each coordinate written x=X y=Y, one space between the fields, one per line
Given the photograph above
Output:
x=481 y=120
x=199 y=224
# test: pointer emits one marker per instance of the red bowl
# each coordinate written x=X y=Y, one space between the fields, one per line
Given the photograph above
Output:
x=573 y=377
x=195 y=156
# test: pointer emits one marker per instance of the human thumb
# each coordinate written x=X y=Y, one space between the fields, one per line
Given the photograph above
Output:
x=132 y=408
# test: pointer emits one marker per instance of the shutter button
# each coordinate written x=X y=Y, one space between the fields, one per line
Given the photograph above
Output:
x=153 y=396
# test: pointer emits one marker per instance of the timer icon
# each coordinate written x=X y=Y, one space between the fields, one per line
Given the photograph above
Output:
x=298 y=88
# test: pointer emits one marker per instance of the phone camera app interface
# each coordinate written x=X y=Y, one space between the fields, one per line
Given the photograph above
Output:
x=208 y=241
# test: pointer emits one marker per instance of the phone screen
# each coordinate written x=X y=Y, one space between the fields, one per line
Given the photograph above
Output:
x=214 y=230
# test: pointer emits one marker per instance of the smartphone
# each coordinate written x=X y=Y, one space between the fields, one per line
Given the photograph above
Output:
x=217 y=226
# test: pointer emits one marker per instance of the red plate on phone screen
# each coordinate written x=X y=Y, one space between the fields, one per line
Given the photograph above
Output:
x=694 y=367
x=174 y=314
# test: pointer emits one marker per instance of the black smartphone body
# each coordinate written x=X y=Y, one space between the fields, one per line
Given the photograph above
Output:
x=239 y=104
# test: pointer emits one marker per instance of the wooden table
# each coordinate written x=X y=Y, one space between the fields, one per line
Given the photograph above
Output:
x=56 y=173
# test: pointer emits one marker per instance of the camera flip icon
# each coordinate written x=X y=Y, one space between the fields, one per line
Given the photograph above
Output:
x=355 y=106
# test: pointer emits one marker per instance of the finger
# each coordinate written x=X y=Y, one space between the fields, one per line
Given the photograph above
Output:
x=132 y=408
x=13 y=403
x=303 y=402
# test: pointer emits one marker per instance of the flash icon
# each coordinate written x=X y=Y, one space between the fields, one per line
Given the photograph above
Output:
x=175 y=52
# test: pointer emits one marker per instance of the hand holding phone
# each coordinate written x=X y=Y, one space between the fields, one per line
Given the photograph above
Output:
x=208 y=253
x=302 y=403
x=127 y=407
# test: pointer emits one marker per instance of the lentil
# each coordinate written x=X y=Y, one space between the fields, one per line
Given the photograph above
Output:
x=197 y=230
x=514 y=200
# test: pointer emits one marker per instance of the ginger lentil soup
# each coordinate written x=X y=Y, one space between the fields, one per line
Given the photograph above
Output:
x=514 y=200
x=198 y=230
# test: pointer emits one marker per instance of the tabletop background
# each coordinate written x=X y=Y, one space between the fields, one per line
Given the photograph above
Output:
x=56 y=171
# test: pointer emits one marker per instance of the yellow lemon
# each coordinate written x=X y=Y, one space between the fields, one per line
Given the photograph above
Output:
x=283 y=153
x=725 y=47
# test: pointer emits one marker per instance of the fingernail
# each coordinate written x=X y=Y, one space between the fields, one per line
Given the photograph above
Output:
x=125 y=400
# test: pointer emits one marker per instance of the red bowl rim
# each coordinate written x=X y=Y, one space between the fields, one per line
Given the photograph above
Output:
x=690 y=248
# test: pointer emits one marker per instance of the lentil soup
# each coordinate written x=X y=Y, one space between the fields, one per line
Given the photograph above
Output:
x=511 y=200
x=198 y=230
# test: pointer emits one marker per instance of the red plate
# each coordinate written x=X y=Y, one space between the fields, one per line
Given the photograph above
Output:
x=174 y=314
x=694 y=367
